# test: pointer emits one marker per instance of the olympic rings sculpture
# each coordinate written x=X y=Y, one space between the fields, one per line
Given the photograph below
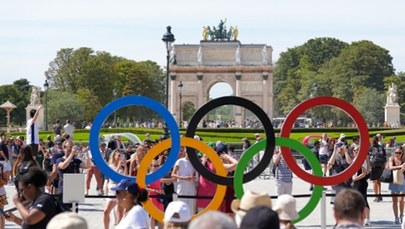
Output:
x=239 y=178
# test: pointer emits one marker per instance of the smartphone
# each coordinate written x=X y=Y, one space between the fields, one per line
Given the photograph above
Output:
x=339 y=144
x=122 y=157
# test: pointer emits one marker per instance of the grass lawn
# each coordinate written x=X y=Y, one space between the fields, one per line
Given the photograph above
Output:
x=226 y=137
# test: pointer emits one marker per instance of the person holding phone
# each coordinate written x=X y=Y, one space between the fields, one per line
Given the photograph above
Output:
x=41 y=208
x=69 y=164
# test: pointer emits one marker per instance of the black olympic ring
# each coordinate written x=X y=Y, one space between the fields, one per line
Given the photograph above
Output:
x=255 y=109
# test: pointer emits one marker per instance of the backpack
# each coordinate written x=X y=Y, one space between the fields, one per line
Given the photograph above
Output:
x=377 y=156
x=24 y=167
x=60 y=207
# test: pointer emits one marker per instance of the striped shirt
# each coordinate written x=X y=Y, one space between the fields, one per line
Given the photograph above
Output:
x=283 y=173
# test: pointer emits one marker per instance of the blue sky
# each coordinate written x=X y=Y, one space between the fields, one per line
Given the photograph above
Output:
x=31 y=32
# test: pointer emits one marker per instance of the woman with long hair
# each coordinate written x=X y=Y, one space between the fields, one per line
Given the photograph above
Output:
x=25 y=161
x=136 y=159
x=130 y=197
x=119 y=165
x=397 y=162
x=42 y=207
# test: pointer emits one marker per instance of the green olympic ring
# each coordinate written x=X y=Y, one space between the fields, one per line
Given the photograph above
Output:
x=305 y=151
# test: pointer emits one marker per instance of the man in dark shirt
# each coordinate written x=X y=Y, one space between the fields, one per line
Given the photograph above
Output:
x=70 y=164
x=4 y=157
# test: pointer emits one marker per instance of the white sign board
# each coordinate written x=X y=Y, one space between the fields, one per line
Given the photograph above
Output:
x=73 y=188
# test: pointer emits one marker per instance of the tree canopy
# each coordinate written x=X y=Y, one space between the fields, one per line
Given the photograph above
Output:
x=346 y=71
x=97 y=78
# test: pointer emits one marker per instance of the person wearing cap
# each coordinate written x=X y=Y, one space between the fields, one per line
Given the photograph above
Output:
x=177 y=215
x=260 y=217
x=117 y=165
x=286 y=207
x=338 y=162
x=186 y=177
x=349 y=210
x=130 y=196
x=213 y=219
x=248 y=201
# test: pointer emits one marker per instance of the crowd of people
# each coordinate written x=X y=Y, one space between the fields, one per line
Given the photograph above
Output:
x=335 y=155
x=36 y=169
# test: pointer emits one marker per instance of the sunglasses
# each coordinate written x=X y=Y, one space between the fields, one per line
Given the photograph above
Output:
x=398 y=152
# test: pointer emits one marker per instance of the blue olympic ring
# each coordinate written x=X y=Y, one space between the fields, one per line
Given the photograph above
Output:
x=131 y=101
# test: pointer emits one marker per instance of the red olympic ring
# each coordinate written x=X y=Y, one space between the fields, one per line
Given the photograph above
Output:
x=357 y=118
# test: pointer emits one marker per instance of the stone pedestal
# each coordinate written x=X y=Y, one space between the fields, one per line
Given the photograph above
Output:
x=40 y=119
x=391 y=116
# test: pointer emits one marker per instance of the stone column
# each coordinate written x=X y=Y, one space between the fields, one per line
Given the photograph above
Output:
x=239 y=117
x=392 y=114
x=265 y=104
x=200 y=90
x=172 y=93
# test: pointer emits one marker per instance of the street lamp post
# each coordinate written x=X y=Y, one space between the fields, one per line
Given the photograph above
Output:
x=46 y=86
x=181 y=88
x=115 y=112
x=314 y=93
x=168 y=39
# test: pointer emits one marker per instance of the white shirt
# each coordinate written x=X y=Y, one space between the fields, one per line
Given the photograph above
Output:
x=324 y=148
x=29 y=132
x=68 y=129
x=137 y=218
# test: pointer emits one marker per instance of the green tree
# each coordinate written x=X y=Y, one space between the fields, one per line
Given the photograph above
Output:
x=89 y=102
x=298 y=68
x=64 y=105
x=18 y=94
x=359 y=64
x=369 y=103
x=83 y=68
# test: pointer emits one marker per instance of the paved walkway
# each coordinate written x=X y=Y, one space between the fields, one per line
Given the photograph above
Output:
x=381 y=213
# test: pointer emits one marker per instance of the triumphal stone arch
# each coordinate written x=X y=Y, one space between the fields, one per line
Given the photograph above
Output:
x=247 y=68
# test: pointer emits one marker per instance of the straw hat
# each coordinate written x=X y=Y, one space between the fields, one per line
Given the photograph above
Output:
x=286 y=206
x=250 y=200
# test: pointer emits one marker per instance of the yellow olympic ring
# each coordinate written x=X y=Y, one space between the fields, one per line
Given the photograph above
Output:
x=189 y=142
